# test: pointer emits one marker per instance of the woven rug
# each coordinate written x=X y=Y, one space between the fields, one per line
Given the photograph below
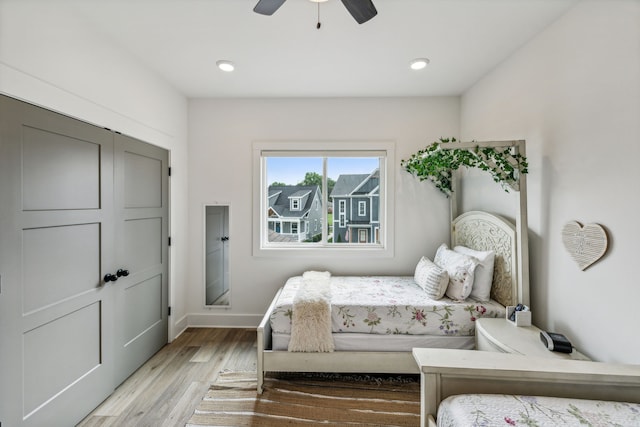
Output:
x=310 y=399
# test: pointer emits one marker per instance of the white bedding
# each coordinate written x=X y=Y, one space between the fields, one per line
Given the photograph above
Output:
x=468 y=410
x=388 y=305
x=368 y=342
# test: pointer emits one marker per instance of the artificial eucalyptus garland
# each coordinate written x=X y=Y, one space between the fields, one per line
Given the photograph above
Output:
x=437 y=164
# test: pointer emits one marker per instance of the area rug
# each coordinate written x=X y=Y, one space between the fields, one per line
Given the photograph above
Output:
x=310 y=399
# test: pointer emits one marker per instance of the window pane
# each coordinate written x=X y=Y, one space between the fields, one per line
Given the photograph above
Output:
x=355 y=191
x=294 y=199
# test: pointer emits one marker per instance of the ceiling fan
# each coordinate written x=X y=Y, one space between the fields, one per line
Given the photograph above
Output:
x=361 y=10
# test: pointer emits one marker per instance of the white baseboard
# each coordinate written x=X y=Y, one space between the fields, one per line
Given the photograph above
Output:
x=178 y=328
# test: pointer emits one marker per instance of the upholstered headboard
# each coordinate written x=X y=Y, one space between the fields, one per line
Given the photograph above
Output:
x=483 y=231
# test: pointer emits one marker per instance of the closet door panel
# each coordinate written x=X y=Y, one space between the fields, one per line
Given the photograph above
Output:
x=55 y=358
x=59 y=262
x=144 y=176
x=144 y=307
x=48 y=182
x=142 y=240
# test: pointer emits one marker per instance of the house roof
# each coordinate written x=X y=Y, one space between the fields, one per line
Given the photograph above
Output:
x=356 y=184
x=280 y=196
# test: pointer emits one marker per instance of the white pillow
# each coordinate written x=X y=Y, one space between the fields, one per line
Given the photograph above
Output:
x=460 y=268
x=433 y=279
x=483 y=276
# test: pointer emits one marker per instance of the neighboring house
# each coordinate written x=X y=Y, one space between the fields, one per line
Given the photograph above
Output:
x=356 y=208
x=295 y=213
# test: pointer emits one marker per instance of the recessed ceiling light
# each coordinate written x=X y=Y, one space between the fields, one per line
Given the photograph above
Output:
x=419 y=63
x=225 y=65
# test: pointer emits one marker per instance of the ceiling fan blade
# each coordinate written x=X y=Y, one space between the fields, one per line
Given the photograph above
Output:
x=268 y=7
x=361 y=10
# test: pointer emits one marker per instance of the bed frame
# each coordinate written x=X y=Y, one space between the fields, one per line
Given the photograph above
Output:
x=446 y=372
x=477 y=230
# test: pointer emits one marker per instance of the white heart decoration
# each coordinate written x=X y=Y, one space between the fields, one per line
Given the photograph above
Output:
x=586 y=245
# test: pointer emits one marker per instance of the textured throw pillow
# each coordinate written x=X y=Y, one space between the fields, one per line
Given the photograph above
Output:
x=433 y=279
x=483 y=276
x=460 y=268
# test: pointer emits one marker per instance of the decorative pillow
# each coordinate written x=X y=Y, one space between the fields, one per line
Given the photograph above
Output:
x=460 y=268
x=483 y=276
x=433 y=279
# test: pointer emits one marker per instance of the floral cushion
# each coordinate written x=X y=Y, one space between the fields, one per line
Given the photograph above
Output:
x=461 y=270
x=483 y=274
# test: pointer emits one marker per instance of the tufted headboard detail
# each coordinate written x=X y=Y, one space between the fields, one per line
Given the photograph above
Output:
x=484 y=231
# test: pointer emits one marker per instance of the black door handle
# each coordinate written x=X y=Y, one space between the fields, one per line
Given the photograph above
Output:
x=121 y=273
x=224 y=238
x=110 y=277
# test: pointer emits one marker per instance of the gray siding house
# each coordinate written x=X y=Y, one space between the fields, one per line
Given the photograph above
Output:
x=295 y=213
x=356 y=208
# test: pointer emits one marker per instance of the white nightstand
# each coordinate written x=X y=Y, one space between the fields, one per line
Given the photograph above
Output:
x=501 y=335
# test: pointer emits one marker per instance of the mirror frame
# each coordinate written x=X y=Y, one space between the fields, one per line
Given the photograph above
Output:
x=204 y=256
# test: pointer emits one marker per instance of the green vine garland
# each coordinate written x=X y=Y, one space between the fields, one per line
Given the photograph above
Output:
x=437 y=164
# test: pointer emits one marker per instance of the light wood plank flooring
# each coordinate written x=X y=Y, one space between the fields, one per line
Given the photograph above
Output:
x=165 y=391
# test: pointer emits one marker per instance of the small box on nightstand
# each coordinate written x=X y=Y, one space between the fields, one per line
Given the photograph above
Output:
x=520 y=318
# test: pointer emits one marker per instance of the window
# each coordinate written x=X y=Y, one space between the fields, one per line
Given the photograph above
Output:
x=362 y=208
x=342 y=213
x=346 y=188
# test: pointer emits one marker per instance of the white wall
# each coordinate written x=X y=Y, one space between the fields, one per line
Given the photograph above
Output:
x=51 y=59
x=221 y=133
x=573 y=93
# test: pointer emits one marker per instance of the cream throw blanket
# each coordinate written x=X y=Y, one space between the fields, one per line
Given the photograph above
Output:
x=311 y=318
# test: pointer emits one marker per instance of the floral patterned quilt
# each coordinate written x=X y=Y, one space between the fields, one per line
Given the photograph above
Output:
x=471 y=410
x=388 y=305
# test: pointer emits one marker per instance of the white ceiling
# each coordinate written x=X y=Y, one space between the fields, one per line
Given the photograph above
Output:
x=284 y=55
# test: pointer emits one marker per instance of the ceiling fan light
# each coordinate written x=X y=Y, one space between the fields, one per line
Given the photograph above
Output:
x=419 y=63
x=225 y=65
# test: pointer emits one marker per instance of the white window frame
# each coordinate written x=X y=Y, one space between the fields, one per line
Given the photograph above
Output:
x=295 y=204
x=362 y=208
x=383 y=149
x=342 y=213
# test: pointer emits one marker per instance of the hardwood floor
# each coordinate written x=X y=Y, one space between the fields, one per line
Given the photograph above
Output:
x=165 y=391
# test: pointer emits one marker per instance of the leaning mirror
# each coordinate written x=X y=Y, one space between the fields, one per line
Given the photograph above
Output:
x=216 y=255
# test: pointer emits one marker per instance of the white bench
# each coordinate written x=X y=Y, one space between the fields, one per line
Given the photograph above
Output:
x=446 y=372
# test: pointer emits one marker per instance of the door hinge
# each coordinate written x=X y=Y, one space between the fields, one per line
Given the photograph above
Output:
x=168 y=314
x=169 y=241
x=169 y=170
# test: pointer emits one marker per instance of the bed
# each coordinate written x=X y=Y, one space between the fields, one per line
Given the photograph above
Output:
x=376 y=348
x=464 y=388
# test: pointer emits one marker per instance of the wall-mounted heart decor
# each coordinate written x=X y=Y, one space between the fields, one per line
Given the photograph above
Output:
x=586 y=245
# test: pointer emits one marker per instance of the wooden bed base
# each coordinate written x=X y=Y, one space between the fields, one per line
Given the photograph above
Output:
x=397 y=362
x=450 y=372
